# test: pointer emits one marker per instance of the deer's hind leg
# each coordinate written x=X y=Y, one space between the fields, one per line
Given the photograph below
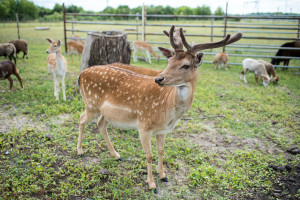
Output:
x=85 y=117
x=102 y=125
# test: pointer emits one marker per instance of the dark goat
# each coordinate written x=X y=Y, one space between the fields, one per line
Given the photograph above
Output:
x=287 y=53
x=8 y=68
x=21 y=45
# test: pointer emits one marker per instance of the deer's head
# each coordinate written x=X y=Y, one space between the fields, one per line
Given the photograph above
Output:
x=54 y=46
x=183 y=65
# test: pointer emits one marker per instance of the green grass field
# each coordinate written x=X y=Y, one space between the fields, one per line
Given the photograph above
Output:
x=206 y=156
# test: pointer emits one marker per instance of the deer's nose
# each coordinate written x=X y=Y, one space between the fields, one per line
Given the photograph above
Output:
x=47 y=51
x=159 y=79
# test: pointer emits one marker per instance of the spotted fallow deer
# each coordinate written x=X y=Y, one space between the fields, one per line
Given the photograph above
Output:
x=146 y=48
x=57 y=65
x=153 y=105
x=74 y=47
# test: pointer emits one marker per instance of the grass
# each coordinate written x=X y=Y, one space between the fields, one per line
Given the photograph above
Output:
x=218 y=158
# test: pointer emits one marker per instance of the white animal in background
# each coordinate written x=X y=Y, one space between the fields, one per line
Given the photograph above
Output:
x=220 y=60
x=153 y=105
x=257 y=68
x=146 y=48
x=270 y=70
x=57 y=65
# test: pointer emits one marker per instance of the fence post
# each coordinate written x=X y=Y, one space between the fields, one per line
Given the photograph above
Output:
x=137 y=26
x=144 y=23
x=18 y=27
x=225 y=23
x=298 y=35
x=65 y=33
x=72 y=26
x=212 y=30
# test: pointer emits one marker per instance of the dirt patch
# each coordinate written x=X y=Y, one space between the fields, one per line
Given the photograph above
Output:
x=10 y=119
x=211 y=140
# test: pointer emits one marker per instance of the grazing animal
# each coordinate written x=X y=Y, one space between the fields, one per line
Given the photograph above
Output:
x=21 y=45
x=74 y=47
x=8 y=49
x=57 y=65
x=257 y=68
x=153 y=105
x=270 y=70
x=220 y=60
x=8 y=68
x=287 y=53
x=146 y=48
x=78 y=39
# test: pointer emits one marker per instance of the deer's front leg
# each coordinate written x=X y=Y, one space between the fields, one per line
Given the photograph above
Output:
x=160 y=142
x=145 y=137
x=63 y=88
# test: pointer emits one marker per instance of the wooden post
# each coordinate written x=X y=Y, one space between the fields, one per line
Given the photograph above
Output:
x=144 y=23
x=212 y=30
x=298 y=35
x=137 y=26
x=65 y=33
x=72 y=26
x=18 y=27
x=225 y=23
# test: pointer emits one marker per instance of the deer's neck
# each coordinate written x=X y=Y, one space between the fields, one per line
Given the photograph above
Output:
x=183 y=98
x=59 y=60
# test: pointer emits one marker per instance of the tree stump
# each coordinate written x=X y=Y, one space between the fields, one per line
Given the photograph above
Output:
x=105 y=47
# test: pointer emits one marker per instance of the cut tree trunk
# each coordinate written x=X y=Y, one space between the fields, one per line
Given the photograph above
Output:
x=105 y=47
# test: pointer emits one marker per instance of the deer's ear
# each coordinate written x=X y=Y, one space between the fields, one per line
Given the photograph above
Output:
x=198 y=59
x=49 y=40
x=59 y=43
x=166 y=52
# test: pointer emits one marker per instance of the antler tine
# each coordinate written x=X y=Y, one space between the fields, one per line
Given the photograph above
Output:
x=227 y=40
x=166 y=32
x=234 y=38
x=185 y=43
x=210 y=45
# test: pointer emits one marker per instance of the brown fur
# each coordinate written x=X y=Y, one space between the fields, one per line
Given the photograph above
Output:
x=73 y=47
x=7 y=68
x=21 y=45
x=221 y=59
x=270 y=70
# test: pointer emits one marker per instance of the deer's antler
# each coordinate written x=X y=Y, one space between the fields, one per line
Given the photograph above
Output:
x=177 y=41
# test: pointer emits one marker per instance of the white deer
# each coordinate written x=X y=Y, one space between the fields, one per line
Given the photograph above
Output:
x=150 y=101
x=57 y=65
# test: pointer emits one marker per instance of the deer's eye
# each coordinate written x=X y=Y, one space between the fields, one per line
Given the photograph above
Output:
x=185 y=66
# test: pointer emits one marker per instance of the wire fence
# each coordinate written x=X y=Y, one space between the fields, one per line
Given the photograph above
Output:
x=272 y=29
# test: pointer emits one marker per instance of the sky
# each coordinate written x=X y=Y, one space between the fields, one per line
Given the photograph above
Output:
x=234 y=6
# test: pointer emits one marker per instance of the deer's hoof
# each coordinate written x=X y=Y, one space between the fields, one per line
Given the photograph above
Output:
x=155 y=191
x=164 y=179
x=81 y=155
x=120 y=159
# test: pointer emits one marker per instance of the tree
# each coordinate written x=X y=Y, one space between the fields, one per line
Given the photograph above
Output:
x=184 y=10
x=109 y=10
x=219 y=11
x=57 y=8
x=74 y=9
x=203 y=10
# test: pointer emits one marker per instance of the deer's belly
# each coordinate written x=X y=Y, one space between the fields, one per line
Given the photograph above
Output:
x=119 y=116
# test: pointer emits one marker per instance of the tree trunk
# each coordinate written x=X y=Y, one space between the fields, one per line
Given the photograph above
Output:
x=105 y=47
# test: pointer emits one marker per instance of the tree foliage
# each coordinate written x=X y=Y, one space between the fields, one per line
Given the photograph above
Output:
x=28 y=11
